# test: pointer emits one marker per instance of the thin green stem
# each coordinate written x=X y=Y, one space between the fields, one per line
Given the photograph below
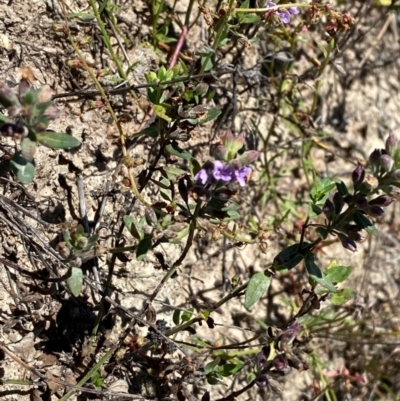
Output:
x=189 y=12
x=222 y=28
x=106 y=40
x=200 y=317
x=277 y=7
x=91 y=372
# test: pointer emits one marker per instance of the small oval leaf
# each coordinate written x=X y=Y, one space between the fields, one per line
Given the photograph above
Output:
x=316 y=274
x=257 y=286
x=57 y=140
x=75 y=281
x=22 y=168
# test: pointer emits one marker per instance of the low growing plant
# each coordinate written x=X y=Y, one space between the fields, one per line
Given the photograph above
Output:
x=29 y=113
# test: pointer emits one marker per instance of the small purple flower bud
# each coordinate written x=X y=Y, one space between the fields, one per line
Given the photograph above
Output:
x=374 y=159
x=361 y=202
x=7 y=97
x=249 y=157
x=281 y=365
x=348 y=199
x=52 y=112
x=294 y=10
x=391 y=144
x=352 y=231
x=347 y=242
x=23 y=87
x=262 y=381
x=14 y=111
x=45 y=94
x=386 y=162
x=338 y=202
x=383 y=200
x=375 y=211
x=260 y=360
x=219 y=152
x=358 y=175
x=329 y=209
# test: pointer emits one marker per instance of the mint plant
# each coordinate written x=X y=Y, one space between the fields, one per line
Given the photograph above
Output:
x=199 y=188
x=29 y=113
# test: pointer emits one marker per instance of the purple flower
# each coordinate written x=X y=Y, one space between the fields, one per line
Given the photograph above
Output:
x=291 y=332
x=284 y=15
x=222 y=171
x=203 y=176
x=293 y=10
x=241 y=175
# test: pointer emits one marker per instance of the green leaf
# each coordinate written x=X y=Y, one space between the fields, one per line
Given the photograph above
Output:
x=22 y=168
x=160 y=111
x=181 y=234
x=172 y=172
x=210 y=62
x=28 y=149
x=230 y=369
x=75 y=280
x=176 y=317
x=322 y=232
x=3 y=119
x=290 y=257
x=207 y=116
x=320 y=192
x=153 y=132
x=257 y=286
x=82 y=16
x=314 y=210
x=211 y=115
x=341 y=188
x=187 y=315
x=342 y=296
x=337 y=274
x=133 y=227
x=316 y=274
x=211 y=366
x=57 y=140
x=143 y=247
x=194 y=166
x=178 y=152
x=364 y=223
x=92 y=240
x=250 y=19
